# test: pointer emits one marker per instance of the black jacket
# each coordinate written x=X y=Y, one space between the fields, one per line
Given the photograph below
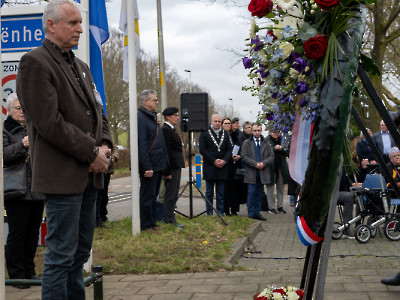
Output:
x=14 y=152
x=148 y=130
x=173 y=144
x=210 y=153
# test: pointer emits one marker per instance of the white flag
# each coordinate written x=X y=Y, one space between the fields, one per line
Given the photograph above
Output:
x=123 y=26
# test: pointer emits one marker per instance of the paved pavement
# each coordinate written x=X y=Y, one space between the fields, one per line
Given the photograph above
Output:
x=272 y=254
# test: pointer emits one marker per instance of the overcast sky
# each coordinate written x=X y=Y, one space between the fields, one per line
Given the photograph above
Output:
x=194 y=34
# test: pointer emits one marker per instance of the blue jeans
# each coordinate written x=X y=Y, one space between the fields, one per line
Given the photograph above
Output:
x=70 y=230
x=219 y=190
x=254 y=198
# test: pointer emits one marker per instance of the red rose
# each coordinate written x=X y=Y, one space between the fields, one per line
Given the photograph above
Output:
x=280 y=291
x=260 y=8
x=327 y=4
x=300 y=293
x=315 y=47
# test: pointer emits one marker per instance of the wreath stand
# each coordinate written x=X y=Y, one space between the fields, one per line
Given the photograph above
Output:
x=320 y=188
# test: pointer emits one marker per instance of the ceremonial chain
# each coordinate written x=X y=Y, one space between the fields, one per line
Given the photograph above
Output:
x=215 y=142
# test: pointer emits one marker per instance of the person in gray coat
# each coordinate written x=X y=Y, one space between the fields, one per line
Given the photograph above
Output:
x=257 y=155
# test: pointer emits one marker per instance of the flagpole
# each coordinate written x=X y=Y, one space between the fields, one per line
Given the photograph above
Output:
x=133 y=120
x=2 y=269
x=164 y=100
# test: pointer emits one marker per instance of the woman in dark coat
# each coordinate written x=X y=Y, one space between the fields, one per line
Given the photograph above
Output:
x=24 y=213
x=231 y=199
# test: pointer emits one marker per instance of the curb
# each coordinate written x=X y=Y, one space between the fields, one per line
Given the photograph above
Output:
x=244 y=242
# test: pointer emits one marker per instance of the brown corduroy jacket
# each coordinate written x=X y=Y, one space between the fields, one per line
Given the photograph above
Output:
x=62 y=127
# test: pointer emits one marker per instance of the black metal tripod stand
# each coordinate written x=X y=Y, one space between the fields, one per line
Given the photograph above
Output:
x=192 y=182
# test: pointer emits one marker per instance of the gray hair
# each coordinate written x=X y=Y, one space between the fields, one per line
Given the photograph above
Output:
x=144 y=95
x=213 y=116
x=393 y=151
x=10 y=102
x=53 y=12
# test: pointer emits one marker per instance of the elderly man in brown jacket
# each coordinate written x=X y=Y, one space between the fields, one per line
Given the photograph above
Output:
x=69 y=143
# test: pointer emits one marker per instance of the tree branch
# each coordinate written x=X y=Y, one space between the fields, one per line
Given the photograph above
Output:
x=393 y=16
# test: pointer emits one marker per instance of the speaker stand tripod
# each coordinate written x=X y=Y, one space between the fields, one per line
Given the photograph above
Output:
x=192 y=182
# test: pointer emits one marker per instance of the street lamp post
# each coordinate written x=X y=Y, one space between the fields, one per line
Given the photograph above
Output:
x=232 y=105
x=190 y=79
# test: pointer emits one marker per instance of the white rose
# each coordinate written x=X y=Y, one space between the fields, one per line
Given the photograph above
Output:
x=287 y=48
x=292 y=296
x=294 y=73
x=296 y=12
x=277 y=296
x=285 y=4
x=286 y=21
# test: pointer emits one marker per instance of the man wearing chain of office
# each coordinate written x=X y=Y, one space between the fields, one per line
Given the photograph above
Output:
x=216 y=151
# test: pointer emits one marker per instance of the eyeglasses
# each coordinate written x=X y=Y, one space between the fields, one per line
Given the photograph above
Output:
x=18 y=108
x=227 y=123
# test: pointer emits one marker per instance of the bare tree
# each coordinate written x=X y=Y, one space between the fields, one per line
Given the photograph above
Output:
x=115 y=88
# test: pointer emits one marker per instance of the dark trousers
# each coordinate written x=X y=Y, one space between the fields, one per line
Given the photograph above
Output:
x=254 y=198
x=24 y=218
x=347 y=200
x=219 y=193
x=232 y=192
x=171 y=195
x=148 y=192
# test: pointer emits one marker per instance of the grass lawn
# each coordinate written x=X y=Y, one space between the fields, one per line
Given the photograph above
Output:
x=201 y=246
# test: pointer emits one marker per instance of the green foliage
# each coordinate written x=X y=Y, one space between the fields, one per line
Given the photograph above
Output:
x=369 y=65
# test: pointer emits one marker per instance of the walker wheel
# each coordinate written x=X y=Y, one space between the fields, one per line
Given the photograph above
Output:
x=363 y=233
x=336 y=233
x=392 y=231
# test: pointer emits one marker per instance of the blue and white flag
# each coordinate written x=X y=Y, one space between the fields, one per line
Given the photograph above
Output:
x=299 y=148
x=98 y=28
x=123 y=26
x=2 y=2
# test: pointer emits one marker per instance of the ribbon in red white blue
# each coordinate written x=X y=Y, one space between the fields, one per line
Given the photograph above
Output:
x=307 y=237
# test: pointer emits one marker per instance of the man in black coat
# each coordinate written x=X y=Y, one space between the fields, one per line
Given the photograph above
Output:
x=152 y=157
x=172 y=174
x=216 y=150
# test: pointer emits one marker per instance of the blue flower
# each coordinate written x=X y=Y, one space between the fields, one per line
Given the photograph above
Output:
x=286 y=32
x=247 y=62
x=299 y=64
x=269 y=115
x=275 y=73
x=269 y=39
x=301 y=88
x=258 y=44
x=278 y=53
x=263 y=72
